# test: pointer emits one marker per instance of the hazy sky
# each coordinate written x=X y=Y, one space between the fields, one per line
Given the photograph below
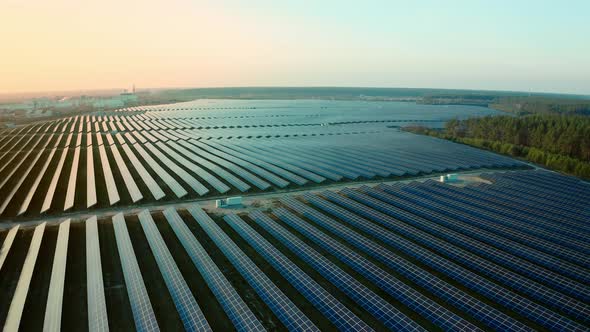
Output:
x=509 y=45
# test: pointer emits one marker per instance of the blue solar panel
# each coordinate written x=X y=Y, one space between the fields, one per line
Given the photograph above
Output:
x=190 y=314
x=143 y=314
x=276 y=300
x=448 y=293
x=238 y=312
x=500 y=295
x=572 y=217
x=373 y=303
x=327 y=304
x=97 y=308
x=519 y=212
x=491 y=253
x=466 y=222
x=546 y=209
x=258 y=182
x=509 y=226
x=252 y=164
x=199 y=156
x=287 y=171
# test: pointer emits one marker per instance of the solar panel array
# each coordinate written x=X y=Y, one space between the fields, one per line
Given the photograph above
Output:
x=53 y=311
x=191 y=315
x=17 y=304
x=142 y=155
x=341 y=316
x=143 y=313
x=97 y=311
x=279 y=303
x=408 y=256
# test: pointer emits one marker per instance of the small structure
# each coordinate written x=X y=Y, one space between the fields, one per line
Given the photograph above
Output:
x=449 y=178
x=228 y=202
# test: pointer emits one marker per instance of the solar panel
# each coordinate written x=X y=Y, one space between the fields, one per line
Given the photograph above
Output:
x=23 y=176
x=292 y=173
x=238 y=312
x=318 y=162
x=150 y=137
x=71 y=189
x=500 y=295
x=130 y=184
x=523 y=214
x=405 y=294
x=53 y=311
x=190 y=314
x=300 y=162
x=110 y=139
x=252 y=164
x=163 y=174
x=7 y=244
x=120 y=138
x=17 y=304
x=206 y=176
x=152 y=185
x=90 y=181
x=7 y=139
x=518 y=265
x=97 y=311
x=185 y=176
x=539 y=213
x=139 y=137
x=68 y=140
x=507 y=227
x=168 y=135
x=461 y=222
x=99 y=140
x=112 y=192
x=347 y=167
x=21 y=160
x=276 y=300
x=368 y=165
x=143 y=314
x=332 y=309
x=241 y=185
x=13 y=151
x=159 y=136
x=53 y=184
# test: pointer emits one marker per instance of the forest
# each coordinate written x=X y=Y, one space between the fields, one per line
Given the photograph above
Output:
x=516 y=104
x=559 y=142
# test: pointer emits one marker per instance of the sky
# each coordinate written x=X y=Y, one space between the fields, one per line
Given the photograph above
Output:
x=523 y=45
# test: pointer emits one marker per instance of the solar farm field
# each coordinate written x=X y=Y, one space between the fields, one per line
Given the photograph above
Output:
x=509 y=253
x=213 y=148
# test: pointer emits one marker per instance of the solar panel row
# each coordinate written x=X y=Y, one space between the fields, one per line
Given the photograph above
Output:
x=518 y=265
x=17 y=304
x=511 y=280
x=494 y=292
x=528 y=251
x=278 y=302
x=97 y=309
x=191 y=315
x=329 y=306
x=53 y=311
x=143 y=313
x=239 y=313
x=7 y=244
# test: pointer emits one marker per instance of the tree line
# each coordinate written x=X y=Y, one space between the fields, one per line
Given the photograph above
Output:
x=559 y=142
